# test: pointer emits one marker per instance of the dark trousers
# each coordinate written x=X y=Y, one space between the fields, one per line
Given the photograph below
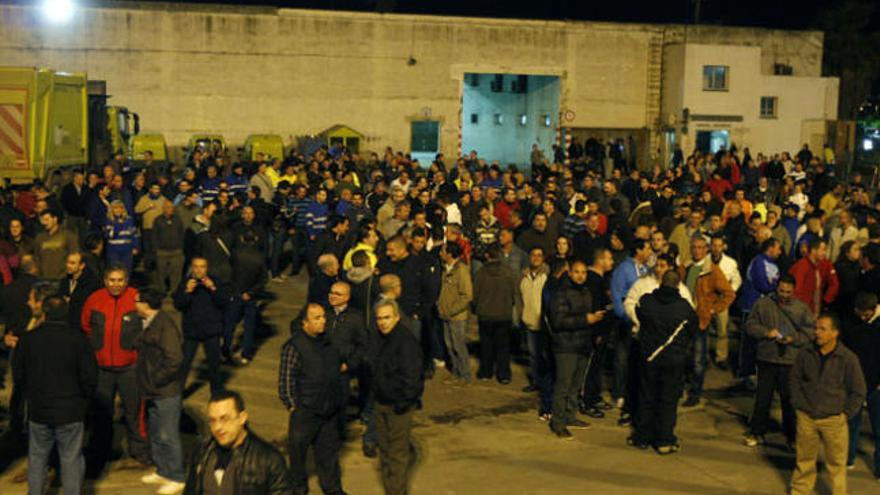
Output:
x=494 y=350
x=541 y=364
x=622 y=343
x=238 y=310
x=110 y=382
x=593 y=383
x=570 y=370
x=307 y=429
x=212 y=354
x=395 y=448
x=660 y=386
x=773 y=378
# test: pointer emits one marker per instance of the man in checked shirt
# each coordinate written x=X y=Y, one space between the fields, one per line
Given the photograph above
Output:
x=309 y=384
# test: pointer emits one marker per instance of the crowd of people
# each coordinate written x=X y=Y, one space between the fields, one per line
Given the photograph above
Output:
x=621 y=286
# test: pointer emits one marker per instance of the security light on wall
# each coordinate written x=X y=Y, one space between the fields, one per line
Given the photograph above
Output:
x=58 y=11
x=498 y=119
x=523 y=119
x=547 y=121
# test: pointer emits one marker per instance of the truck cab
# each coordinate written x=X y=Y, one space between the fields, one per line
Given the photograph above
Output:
x=214 y=144
x=270 y=145
x=149 y=150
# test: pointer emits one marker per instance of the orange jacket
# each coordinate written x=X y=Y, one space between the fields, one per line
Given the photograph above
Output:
x=714 y=293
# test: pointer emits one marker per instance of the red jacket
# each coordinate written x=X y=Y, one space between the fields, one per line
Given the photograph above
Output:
x=805 y=273
x=502 y=212
x=112 y=325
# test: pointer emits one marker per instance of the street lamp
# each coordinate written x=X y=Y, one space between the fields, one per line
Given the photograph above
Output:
x=58 y=11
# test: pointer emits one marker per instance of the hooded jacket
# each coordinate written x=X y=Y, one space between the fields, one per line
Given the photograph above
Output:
x=864 y=339
x=661 y=313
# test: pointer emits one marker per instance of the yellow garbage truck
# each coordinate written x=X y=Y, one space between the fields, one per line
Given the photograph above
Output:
x=53 y=121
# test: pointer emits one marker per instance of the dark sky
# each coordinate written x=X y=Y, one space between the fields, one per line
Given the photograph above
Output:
x=787 y=14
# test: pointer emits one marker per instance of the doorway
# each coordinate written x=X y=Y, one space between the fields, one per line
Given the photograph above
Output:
x=712 y=141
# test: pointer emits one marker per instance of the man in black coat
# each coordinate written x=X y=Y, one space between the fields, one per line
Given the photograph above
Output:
x=55 y=366
x=571 y=316
x=249 y=277
x=77 y=286
x=668 y=324
x=257 y=467
x=414 y=279
x=320 y=282
x=202 y=301
x=336 y=240
x=397 y=384
x=347 y=333
x=309 y=384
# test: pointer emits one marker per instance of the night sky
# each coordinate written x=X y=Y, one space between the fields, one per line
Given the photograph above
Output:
x=786 y=14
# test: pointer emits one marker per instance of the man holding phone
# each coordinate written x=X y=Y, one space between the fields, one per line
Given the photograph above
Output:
x=571 y=319
x=781 y=324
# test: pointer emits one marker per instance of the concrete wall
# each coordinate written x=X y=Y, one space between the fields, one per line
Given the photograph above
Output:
x=800 y=98
x=239 y=70
x=510 y=142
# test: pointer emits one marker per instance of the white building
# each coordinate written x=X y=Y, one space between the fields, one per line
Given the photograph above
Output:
x=715 y=95
x=427 y=83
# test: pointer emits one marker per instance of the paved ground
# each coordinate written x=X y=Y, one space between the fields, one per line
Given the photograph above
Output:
x=485 y=439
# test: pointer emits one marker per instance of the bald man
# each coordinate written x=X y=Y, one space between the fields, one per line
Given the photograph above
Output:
x=325 y=277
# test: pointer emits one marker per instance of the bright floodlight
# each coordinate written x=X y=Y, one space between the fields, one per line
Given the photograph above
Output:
x=58 y=11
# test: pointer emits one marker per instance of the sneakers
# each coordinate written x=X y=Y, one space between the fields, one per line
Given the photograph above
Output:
x=632 y=441
x=753 y=440
x=563 y=434
x=577 y=424
x=593 y=412
x=625 y=419
x=370 y=450
x=154 y=479
x=667 y=449
x=439 y=363
x=692 y=401
x=171 y=488
x=618 y=403
x=545 y=416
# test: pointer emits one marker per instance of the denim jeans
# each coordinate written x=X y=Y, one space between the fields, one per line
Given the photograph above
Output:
x=240 y=309
x=163 y=416
x=455 y=335
x=701 y=362
x=42 y=438
x=855 y=426
x=541 y=364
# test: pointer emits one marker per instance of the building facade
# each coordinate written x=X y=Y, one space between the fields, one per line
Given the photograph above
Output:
x=188 y=69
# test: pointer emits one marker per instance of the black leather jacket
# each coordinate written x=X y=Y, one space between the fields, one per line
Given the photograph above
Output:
x=259 y=468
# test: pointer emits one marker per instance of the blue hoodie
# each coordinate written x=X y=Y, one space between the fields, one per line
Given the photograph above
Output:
x=316 y=218
x=761 y=279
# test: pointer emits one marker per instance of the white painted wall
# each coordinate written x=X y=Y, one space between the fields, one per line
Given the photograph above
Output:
x=800 y=99
x=242 y=70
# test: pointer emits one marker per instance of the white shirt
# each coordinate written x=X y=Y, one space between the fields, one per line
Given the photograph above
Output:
x=730 y=268
x=453 y=214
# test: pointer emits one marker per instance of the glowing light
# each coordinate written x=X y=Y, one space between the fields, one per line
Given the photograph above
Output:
x=58 y=11
x=868 y=144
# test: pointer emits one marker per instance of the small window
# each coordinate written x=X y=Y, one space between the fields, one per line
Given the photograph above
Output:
x=523 y=119
x=715 y=78
x=497 y=84
x=473 y=80
x=768 y=107
x=475 y=119
x=498 y=119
